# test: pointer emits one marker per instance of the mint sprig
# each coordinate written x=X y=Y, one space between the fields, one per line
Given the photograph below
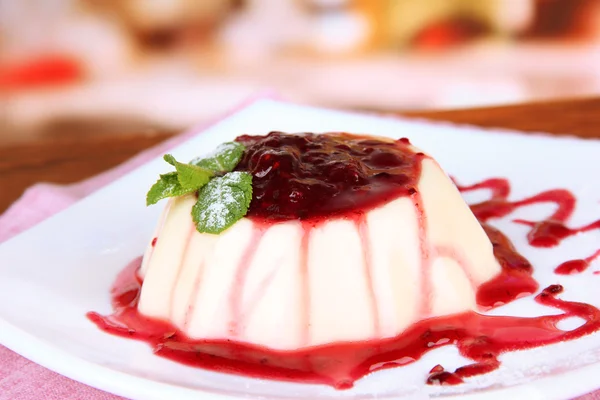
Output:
x=223 y=159
x=223 y=196
x=222 y=202
x=186 y=179
x=189 y=176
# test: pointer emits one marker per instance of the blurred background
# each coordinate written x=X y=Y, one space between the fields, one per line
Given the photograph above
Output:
x=116 y=65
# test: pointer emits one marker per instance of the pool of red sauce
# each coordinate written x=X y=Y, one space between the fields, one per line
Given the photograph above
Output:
x=294 y=191
x=577 y=266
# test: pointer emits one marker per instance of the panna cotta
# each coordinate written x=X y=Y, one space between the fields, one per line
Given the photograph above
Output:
x=325 y=258
x=347 y=238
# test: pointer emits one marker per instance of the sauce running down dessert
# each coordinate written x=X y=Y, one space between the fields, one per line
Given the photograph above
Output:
x=357 y=254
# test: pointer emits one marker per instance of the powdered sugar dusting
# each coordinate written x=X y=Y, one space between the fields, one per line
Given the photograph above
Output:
x=222 y=202
x=234 y=178
x=226 y=150
x=224 y=158
x=217 y=213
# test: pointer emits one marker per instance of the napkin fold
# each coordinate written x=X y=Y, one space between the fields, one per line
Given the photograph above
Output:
x=21 y=379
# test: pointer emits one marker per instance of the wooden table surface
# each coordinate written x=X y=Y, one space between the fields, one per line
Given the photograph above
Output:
x=68 y=157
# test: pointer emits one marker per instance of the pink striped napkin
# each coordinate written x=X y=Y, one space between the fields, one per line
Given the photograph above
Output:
x=20 y=379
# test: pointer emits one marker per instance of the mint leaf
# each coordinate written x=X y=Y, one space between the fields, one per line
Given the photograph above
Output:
x=223 y=159
x=166 y=186
x=186 y=179
x=190 y=176
x=222 y=202
x=198 y=173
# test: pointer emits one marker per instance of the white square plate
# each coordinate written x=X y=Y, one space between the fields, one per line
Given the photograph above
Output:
x=51 y=275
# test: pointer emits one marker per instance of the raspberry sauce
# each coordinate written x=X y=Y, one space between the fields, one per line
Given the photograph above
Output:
x=479 y=337
x=311 y=178
x=546 y=233
x=576 y=266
